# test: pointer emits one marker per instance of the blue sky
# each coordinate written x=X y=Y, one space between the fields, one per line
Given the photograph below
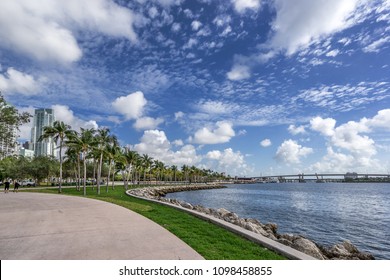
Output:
x=247 y=87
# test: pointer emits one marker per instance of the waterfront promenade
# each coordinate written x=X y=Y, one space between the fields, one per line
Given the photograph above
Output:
x=58 y=227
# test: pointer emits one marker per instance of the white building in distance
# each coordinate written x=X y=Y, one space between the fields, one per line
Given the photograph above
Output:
x=47 y=147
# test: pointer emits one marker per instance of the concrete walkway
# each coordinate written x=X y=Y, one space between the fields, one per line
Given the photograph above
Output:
x=59 y=227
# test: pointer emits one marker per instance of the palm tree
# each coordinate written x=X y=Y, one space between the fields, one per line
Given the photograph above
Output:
x=159 y=167
x=103 y=138
x=113 y=150
x=138 y=168
x=83 y=142
x=132 y=158
x=174 y=170
x=185 y=170
x=72 y=157
x=129 y=159
x=59 y=132
x=147 y=162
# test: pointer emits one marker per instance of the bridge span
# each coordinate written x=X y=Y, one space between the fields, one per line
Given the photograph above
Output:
x=325 y=177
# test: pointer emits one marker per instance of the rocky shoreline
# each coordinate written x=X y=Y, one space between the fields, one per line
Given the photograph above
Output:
x=344 y=251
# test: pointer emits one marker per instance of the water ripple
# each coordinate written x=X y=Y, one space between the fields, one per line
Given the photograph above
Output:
x=327 y=213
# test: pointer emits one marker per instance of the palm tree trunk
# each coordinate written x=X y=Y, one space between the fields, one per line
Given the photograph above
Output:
x=128 y=174
x=85 y=175
x=79 y=173
x=99 y=172
x=124 y=180
x=60 y=184
x=108 y=177
x=113 y=178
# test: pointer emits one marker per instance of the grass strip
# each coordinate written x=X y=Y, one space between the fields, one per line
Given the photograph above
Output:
x=209 y=240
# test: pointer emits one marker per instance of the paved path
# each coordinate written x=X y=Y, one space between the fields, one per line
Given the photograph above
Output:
x=59 y=227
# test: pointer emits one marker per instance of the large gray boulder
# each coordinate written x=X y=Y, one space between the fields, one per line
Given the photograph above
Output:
x=307 y=246
x=345 y=251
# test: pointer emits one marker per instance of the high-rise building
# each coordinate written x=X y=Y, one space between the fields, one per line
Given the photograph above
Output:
x=47 y=147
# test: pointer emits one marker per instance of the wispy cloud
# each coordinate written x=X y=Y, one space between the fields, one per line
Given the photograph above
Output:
x=344 y=97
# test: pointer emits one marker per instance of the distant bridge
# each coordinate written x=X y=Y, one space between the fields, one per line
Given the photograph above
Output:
x=322 y=177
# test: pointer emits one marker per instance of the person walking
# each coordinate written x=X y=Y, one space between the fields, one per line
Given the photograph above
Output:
x=6 y=186
x=16 y=186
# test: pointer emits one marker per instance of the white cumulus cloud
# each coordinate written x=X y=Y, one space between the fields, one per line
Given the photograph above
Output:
x=45 y=29
x=131 y=106
x=65 y=114
x=242 y=5
x=266 y=143
x=229 y=161
x=222 y=133
x=324 y=126
x=350 y=145
x=144 y=123
x=299 y=23
x=195 y=25
x=291 y=152
x=380 y=120
x=14 y=81
x=156 y=144
x=294 y=130
x=239 y=72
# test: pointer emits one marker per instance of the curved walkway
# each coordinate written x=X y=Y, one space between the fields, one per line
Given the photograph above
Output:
x=59 y=227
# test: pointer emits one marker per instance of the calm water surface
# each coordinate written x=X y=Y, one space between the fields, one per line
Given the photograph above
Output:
x=327 y=213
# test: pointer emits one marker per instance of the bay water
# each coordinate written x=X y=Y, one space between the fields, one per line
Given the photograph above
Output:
x=326 y=213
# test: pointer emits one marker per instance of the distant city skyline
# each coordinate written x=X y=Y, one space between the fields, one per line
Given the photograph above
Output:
x=245 y=87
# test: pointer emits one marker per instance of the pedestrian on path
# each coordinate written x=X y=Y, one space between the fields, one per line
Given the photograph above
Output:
x=16 y=186
x=6 y=186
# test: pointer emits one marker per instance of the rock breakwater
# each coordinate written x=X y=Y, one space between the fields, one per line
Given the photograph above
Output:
x=343 y=251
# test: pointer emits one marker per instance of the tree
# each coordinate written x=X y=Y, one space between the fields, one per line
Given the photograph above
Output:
x=159 y=167
x=73 y=157
x=185 y=169
x=83 y=142
x=174 y=170
x=103 y=140
x=147 y=162
x=42 y=167
x=10 y=119
x=113 y=150
x=59 y=132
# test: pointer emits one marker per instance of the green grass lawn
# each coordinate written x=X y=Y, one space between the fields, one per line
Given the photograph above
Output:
x=209 y=240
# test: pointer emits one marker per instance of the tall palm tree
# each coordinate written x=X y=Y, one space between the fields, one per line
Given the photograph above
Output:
x=174 y=170
x=138 y=168
x=73 y=158
x=59 y=132
x=159 y=168
x=131 y=157
x=112 y=150
x=185 y=169
x=128 y=160
x=84 y=142
x=103 y=138
x=147 y=162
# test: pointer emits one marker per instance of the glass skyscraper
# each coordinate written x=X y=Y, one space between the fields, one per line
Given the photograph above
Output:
x=47 y=147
